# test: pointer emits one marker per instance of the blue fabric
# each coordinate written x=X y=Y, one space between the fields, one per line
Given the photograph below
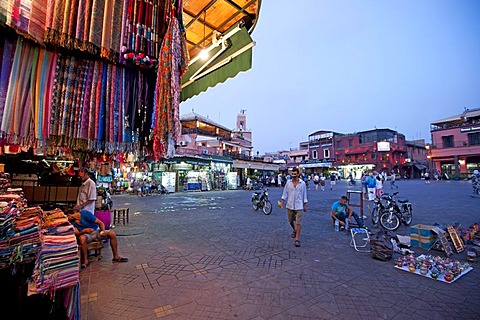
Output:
x=87 y=220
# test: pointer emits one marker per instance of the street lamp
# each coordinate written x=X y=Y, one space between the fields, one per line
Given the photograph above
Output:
x=429 y=157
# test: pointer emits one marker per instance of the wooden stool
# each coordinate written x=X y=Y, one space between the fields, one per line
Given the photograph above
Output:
x=120 y=213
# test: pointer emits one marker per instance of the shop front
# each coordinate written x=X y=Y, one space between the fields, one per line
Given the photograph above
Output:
x=316 y=166
x=354 y=170
x=245 y=169
x=196 y=174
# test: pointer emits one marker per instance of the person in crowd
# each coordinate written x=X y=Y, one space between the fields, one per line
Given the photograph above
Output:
x=249 y=183
x=426 y=176
x=379 y=187
x=363 y=181
x=295 y=195
x=342 y=212
x=392 y=181
x=279 y=180
x=316 y=180
x=476 y=183
x=306 y=179
x=371 y=185
x=333 y=181
x=89 y=228
x=323 y=181
x=87 y=194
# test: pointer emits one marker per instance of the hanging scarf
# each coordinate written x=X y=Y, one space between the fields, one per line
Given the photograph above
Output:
x=36 y=27
x=6 y=67
x=173 y=64
x=95 y=36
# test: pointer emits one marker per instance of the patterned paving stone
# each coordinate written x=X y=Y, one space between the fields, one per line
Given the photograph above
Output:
x=208 y=255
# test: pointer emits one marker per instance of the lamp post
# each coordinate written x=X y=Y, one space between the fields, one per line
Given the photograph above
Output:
x=429 y=157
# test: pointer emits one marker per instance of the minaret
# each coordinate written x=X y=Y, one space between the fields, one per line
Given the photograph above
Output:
x=242 y=121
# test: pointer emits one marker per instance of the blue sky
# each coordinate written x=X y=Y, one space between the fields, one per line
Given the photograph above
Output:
x=350 y=66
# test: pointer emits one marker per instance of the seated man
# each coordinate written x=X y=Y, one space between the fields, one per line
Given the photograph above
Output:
x=89 y=228
x=339 y=212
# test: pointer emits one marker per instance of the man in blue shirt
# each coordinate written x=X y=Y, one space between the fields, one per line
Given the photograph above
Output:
x=295 y=194
x=89 y=228
x=371 y=182
x=339 y=212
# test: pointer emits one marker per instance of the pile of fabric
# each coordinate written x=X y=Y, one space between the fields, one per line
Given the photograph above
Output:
x=57 y=264
x=19 y=231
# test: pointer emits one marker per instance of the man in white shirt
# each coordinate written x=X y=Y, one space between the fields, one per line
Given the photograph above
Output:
x=295 y=194
x=87 y=194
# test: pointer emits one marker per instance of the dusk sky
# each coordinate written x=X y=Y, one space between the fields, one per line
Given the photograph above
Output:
x=350 y=66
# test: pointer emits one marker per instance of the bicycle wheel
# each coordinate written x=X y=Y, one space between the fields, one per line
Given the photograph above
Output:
x=389 y=220
x=375 y=216
x=408 y=215
x=267 y=207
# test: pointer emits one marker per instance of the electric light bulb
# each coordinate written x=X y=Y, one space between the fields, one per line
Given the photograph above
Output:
x=204 y=54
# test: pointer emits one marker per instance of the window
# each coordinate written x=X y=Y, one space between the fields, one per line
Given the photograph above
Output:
x=339 y=144
x=474 y=138
x=326 y=153
x=314 y=154
x=447 y=141
x=357 y=157
x=374 y=155
x=350 y=143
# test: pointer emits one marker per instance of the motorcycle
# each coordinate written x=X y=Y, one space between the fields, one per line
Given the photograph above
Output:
x=396 y=211
x=260 y=200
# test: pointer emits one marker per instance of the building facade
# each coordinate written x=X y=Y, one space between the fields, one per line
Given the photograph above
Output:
x=383 y=150
x=455 y=149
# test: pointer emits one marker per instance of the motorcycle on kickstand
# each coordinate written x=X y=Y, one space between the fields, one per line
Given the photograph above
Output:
x=260 y=201
x=395 y=212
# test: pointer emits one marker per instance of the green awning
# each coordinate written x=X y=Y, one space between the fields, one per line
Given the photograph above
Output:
x=234 y=55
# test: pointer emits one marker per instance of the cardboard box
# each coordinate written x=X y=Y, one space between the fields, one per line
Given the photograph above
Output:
x=422 y=242
x=422 y=230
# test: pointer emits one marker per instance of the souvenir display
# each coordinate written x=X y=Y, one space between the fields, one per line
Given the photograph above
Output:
x=437 y=268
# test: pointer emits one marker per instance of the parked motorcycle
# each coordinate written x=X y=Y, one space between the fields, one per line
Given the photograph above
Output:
x=396 y=211
x=260 y=200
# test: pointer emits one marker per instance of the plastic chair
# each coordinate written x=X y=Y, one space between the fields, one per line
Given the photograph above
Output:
x=360 y=239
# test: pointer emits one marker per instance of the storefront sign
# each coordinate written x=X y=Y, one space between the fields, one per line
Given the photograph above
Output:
x=232 y=180
x=383 y=146
x=168 y=181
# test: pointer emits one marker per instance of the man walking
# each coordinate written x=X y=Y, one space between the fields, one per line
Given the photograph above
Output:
x=476 y=183
x=392 y=181
x=295 y=194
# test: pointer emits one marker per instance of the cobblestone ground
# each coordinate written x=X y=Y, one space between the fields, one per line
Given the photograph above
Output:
x=209 y=255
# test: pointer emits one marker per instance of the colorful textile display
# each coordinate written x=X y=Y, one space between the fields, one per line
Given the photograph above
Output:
x=58 y=98
x=65 y=101
x=172 y=66
x=19 y=231
x=57 y=262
